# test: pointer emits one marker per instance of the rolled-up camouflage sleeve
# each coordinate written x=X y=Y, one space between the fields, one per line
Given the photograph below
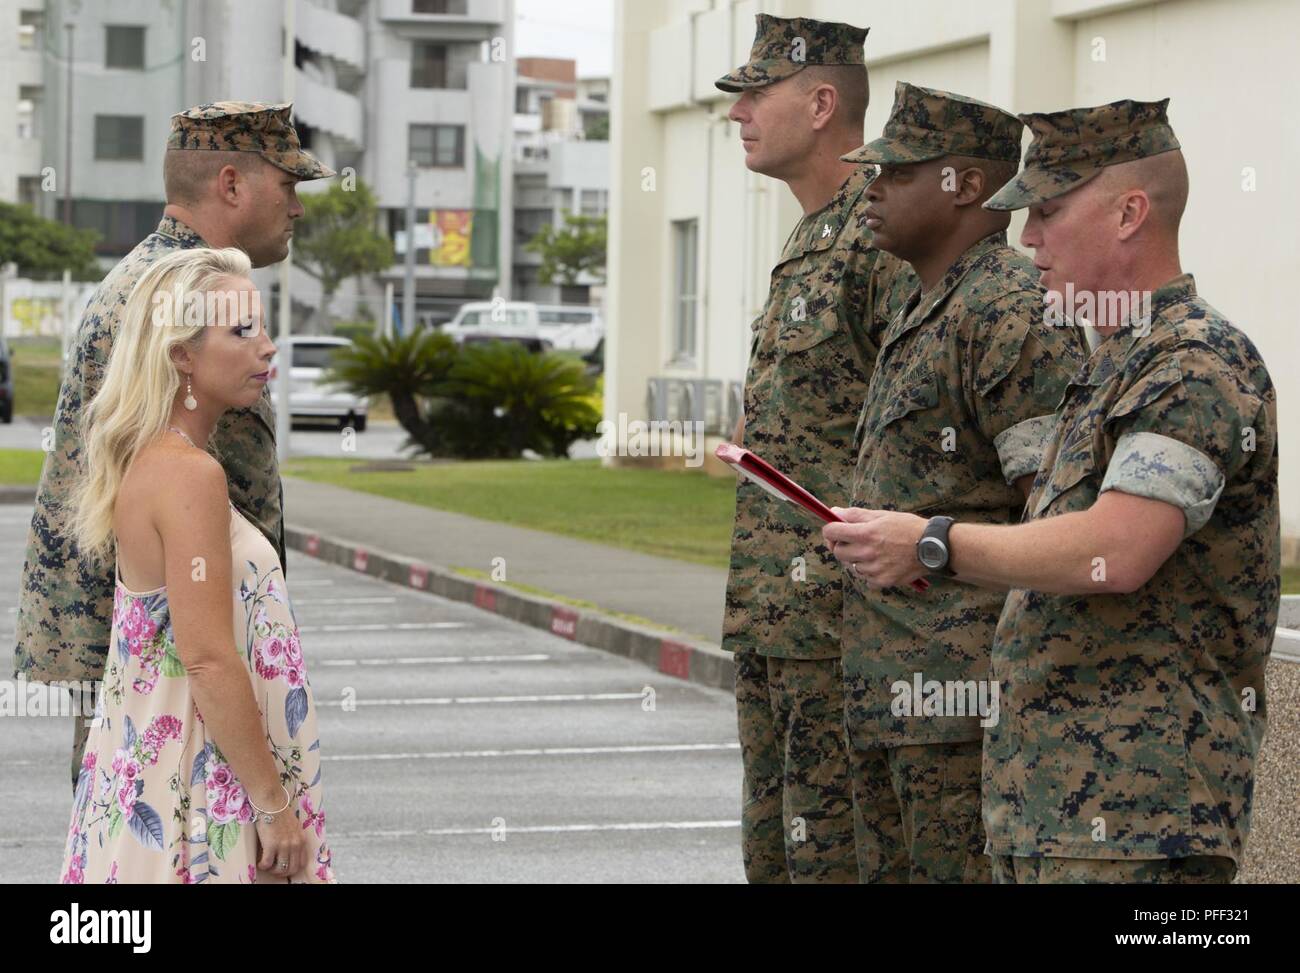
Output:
x=1147 y=464
x=1182 y=430
x=1019 y=377
x=1020 y=447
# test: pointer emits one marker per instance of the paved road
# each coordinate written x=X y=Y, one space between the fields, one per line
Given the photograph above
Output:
x=464 y=723
x=381 y=440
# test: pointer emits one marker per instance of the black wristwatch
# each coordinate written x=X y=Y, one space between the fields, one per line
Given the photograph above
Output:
x=932 y=549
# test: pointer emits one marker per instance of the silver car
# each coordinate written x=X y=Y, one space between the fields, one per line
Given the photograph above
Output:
x=309 y=397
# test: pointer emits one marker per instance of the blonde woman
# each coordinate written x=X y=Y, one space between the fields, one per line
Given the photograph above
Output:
x=204 y=763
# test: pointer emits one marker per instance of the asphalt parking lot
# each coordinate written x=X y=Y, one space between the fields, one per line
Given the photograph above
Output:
x=478 y=750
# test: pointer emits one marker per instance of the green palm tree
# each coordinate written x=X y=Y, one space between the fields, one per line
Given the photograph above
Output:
x=513 y=399
x=407 y=369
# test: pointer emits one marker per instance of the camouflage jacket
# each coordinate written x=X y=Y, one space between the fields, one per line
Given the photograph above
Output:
x=65 y=605
x=831 y=296
x=960 y=406
x=1130 y=722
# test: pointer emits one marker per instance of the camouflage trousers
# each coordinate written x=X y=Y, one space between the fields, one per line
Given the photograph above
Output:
x=916 y=813
x=1195 y=870
x=797 y=814
x=82 y=702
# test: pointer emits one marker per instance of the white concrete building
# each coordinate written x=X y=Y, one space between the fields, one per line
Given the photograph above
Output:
x=376 y=83
x=558 y=170
x=693 y=234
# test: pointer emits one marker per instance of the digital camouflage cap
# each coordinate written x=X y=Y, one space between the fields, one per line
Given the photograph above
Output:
x=246 y=126
x=1072 y=146
x=927 y=124
x=785 y=46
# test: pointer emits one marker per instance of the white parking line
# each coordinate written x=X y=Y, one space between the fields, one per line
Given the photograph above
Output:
x=506 y=830
x=471 y=700
x=434 y=660
x=344 y=601
x=535 y=752
x=381 y=627
x=489 y=754
x=545 y=829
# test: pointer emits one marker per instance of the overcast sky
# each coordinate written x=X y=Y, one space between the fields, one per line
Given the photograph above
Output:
x=579 y=29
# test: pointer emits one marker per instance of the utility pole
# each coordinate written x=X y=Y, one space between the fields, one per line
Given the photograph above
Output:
x=67 y=134
x=408 y=287
x=283 y=413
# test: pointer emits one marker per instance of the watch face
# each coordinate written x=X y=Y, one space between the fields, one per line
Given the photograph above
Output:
x=932 y=553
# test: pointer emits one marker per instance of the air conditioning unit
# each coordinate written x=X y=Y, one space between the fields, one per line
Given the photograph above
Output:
x=735 y=406
x=689 y=400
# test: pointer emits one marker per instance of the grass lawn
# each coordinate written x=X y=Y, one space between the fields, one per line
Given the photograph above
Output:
x=38 y=372
x=683 y=515
x=21 y=467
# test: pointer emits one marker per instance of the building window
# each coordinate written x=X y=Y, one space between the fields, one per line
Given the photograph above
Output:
x=428 y=65
x=124 y=47
x=530 y=222
x=30 y=23
x=29 y=191
x=119 y=136
x=685 y=250
x=594 y=202
x=439 y=6
x=120 y=224
x=437 y=145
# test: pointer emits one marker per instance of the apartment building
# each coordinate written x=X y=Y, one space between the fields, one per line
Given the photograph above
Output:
x=378 y=85
x=561 y=166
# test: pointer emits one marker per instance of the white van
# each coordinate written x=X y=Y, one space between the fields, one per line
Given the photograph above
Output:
x=541 y=326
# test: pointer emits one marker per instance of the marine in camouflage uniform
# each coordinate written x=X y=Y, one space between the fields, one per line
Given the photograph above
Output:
x=959 y=409
x=1131 y=722
x=65 y=603
x=811 y=355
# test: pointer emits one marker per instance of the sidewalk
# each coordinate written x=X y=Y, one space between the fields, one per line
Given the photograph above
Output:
x=675 y=594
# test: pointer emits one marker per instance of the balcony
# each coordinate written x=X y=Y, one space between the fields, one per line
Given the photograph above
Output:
x=28 y=69
x=476 y=12
x=328 y=109
x=335 y=35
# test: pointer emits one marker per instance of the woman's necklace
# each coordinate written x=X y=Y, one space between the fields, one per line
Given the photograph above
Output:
x=182 y=432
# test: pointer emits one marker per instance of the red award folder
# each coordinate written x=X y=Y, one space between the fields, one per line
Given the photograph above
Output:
x=779 y=485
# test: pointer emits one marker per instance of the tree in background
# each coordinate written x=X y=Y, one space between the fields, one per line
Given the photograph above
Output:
x=475 y=401
x=569 y=250
x=336 y=238
x=407 y=368
x=43 y=248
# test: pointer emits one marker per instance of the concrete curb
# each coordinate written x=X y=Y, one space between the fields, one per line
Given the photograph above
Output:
x=678 y=656
x=17 y=494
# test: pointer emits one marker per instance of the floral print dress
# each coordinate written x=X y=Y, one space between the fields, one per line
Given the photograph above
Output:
x=156 y=801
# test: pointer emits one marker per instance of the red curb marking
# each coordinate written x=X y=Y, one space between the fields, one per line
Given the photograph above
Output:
x=674 y=659
x=360 y=559
x=485 y=598
x=564 y=622
x=419 y=576
x=313 y=544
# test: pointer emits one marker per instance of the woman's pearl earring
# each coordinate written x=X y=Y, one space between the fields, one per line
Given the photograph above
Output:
x=190 y=402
